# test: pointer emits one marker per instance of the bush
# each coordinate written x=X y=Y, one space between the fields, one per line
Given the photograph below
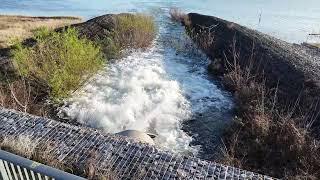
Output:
x=63 y=61
x=178 y=16
x=134 y=31
x=267 y=137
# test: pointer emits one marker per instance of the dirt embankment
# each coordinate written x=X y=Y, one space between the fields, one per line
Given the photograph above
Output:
x=25 y=95
x=111 y=33
x=293 y=69
x=277 y=89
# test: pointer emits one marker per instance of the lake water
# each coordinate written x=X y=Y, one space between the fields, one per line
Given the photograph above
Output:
x=289 y=20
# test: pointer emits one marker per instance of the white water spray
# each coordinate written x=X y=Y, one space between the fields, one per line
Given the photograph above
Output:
x=152 y=91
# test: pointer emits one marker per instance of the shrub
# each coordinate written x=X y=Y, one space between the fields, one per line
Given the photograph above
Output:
x=63 y=61
x=22 y=95
x=134 y=31
x=177 y=15
x=266 y=136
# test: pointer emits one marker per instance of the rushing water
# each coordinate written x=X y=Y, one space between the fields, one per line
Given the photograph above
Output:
x=157 y=91
x=166 y=90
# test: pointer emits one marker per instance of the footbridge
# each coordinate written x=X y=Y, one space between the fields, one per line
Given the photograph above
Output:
x=123 y=157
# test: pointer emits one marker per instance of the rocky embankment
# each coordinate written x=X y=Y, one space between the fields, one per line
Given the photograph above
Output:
x=293 y=69
x=96 y=29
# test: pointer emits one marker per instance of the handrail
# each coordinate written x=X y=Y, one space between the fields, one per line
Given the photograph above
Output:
x=7 y=171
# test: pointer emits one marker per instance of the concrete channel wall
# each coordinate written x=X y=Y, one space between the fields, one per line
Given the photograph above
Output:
x=124 y=157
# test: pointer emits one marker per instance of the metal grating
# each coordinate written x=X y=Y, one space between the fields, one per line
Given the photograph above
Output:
x=124 y=157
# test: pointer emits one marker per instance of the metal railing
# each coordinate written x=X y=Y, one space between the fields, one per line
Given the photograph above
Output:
x=13 y=167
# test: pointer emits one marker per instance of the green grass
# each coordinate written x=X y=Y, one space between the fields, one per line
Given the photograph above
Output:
x=61 y=60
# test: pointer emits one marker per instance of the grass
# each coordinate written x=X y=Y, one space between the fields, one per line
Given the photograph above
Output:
x=134 y=31
x=267 y=137
x=22 y=27
x=36 y=150
x=55 y=66
x=62 y=61
x=178 y=15
x=21 y=95
x=59 y=63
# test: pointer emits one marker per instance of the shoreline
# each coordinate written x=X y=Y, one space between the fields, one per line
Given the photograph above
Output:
x=21 y=27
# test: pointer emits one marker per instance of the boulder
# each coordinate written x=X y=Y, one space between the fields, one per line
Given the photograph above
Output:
x=139 y=136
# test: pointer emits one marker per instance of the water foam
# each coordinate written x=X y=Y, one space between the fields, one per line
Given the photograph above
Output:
x=135 y=93
x=151 y=91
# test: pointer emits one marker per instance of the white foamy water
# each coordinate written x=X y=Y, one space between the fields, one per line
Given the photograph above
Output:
x=152 y=91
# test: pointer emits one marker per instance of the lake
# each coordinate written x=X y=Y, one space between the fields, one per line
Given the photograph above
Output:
x=290 y=20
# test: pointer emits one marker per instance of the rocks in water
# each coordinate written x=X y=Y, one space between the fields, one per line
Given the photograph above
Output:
x=140 y=136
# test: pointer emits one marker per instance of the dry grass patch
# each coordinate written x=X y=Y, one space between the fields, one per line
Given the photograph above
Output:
x=178 y=15
x=22 y=95
x=44 y=153
x=22 y=146
x=22 y=26
x=30 y=148
x=267 y=137
x=134 y=31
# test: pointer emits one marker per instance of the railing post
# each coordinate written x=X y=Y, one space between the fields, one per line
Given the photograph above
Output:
x=3 y=172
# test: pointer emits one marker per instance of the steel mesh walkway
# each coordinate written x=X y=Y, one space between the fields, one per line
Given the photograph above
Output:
x=123 y=156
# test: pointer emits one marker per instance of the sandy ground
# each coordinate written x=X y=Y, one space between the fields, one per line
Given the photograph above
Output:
x=21 y=27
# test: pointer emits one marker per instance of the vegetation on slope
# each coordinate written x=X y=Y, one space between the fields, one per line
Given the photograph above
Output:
x=131 y=31
x=62 y=61
x=51 y=65
x=266 y=137
x=44 y=152
x=134 y=31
